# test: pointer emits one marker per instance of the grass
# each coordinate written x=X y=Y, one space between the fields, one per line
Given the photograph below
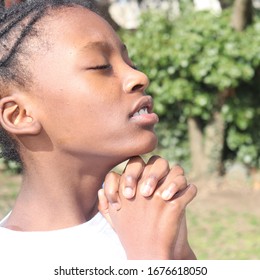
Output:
x=215 y=232
x=224 y=235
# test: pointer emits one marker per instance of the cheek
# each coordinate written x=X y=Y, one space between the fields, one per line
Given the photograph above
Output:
x=78 y=110
x=103 y=105
x=93 y=121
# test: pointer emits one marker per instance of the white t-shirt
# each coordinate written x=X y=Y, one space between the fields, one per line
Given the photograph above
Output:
x=94 y=241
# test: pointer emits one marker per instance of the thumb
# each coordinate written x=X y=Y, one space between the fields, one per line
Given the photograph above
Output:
x=103 y=206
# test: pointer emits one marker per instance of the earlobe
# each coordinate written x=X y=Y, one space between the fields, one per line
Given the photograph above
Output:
x=15 y=119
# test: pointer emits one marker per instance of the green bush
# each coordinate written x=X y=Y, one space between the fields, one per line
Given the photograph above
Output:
x=198 y=65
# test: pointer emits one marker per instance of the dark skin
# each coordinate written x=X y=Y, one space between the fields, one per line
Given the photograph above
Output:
x=76 y=121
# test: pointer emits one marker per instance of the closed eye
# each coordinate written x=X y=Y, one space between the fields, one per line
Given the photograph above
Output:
x=100 y=67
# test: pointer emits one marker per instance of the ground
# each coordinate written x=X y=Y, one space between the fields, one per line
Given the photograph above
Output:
x=226 y=194
x=223 y=220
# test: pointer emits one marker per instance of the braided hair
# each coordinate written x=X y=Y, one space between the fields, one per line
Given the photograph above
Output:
x=17 y=25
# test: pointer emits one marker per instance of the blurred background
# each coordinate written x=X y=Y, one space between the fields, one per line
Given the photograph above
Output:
x=203 y=61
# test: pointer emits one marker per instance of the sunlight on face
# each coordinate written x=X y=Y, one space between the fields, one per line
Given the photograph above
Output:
x=90 y=99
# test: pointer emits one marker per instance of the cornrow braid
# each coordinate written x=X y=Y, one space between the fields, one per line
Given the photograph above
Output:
x=17 y=25
x=8 y=51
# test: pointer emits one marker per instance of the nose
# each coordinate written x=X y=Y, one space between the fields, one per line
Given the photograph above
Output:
x=135 y=81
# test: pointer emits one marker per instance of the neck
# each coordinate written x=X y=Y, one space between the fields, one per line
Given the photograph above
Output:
x=58 y=195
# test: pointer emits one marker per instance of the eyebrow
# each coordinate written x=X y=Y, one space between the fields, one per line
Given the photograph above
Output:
x=102 y=45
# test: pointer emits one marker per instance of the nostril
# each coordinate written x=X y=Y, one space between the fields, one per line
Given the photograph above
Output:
x=137 y=87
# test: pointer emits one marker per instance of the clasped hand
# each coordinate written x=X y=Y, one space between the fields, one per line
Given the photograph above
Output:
x=146 y=207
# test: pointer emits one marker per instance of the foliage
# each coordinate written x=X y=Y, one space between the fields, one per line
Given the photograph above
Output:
x=197 y=65
x=186 y=6
x=10 y=166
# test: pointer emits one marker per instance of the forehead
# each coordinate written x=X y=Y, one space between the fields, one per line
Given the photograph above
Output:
x=66 y=41
x=77 y=26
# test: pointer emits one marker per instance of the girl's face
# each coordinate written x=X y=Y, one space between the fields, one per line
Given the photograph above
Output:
x=88 y=97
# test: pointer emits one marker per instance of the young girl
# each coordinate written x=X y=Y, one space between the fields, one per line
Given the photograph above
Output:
x=73 y=106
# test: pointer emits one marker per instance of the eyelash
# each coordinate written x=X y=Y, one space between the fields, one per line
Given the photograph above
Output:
x=101 y=67
x=108 y=66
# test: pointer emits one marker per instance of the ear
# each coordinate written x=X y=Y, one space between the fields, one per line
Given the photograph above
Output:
x=15 y=119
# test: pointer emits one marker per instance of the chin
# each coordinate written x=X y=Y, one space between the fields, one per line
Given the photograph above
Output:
x=137 y=148
x=147 y=146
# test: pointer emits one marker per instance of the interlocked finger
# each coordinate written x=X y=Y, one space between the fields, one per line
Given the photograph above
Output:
x=131 y=175
x=156 y=169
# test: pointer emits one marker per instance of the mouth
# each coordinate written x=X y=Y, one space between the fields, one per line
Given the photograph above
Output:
x=144 y=106
x=143 y=111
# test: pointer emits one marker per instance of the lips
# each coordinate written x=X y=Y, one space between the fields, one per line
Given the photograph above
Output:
x=143 y=106
x=142 y=113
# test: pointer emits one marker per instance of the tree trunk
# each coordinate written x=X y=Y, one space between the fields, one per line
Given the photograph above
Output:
x=196 y=147
x=206 y=146
x=242 y=14
x=213 y=144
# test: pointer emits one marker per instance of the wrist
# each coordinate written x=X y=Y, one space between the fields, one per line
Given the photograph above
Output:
x=185 y=253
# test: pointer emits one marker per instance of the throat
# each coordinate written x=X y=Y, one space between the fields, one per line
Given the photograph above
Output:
x=52 y=210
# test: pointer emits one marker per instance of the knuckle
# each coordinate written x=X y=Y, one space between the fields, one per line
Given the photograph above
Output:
x=177 y=206
x=163 y=162
x=158 y=197
x=178 y=170
x=131 y=177
x=130 y=180
x=111 y=176
x=160 y=165
x=152 y=177
x=101 y=192
x=110 y=192
x=193 y=190
x=182 y=180
x=136 y=159
x=153 y=158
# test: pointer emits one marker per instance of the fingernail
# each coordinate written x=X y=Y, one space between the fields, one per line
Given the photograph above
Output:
x=168 y=193
x=128 y=192
x=145 y=190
